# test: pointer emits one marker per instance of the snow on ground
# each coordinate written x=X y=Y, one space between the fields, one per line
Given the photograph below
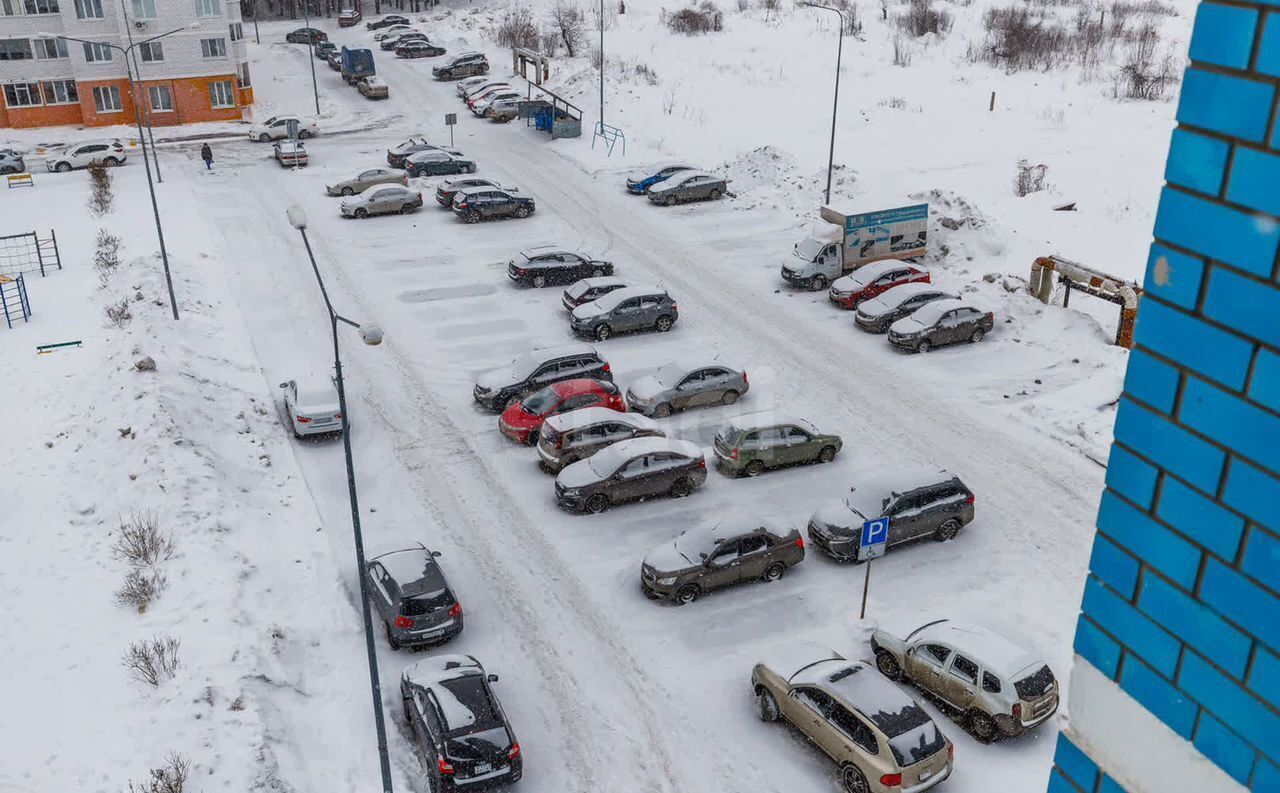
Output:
x=606 y=690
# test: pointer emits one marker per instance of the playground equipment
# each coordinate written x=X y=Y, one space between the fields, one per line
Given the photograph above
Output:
x=13 y=300
x=28 y=253
x=610 y=136
x=522 y=58
x=1073 y=275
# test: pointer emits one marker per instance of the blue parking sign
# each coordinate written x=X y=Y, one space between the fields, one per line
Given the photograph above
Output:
x=875 y=535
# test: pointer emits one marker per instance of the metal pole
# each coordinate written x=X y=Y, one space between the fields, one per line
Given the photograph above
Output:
x=256 y=38
x=866 y=584
x=602 y=65
x=137 y=69
x=835 y=103
x=311 y=56
x=375 y=685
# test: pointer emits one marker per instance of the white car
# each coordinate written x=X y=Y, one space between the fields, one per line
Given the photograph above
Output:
x=482 y=88
x=470 y=84
x=312 y=407
x=394 y=30
x=481 y=107
x=108 y=152
x=277 y=127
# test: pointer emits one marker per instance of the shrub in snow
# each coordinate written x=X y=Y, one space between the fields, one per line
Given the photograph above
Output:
x=691 y=21
x=152 y=661
x=100 y=197
x=1143 y=76
x=922 y=18
x=119 y=315
x=106 y=256
x=901 y=52
x=140 y=588
x=1029 y=179
x=852 y=19
x=516 y=28
x=568 y=25
x=169 y=778
x=141 y=542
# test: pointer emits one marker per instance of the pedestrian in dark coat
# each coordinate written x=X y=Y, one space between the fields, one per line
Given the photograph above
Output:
x=206 y=154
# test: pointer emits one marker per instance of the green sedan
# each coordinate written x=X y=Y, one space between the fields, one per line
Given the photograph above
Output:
x=750 y=444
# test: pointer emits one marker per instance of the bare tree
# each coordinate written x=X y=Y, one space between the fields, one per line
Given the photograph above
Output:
x=100 y=197
x=141 y=542
x=568 y=24
x=152 y=661
x=168 y=778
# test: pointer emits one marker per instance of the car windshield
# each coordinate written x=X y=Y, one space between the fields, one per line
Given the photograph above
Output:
x=864 y=502
x=540 y=403
x=694 y=546
x=670 y=375
x=467 y=706
x=809 y=248
x=602 y=465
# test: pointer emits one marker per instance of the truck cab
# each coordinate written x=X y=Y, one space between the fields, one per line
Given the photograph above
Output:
x=815 y=261
x=850 y=239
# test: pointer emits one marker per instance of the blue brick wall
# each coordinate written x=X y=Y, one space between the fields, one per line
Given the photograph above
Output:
x=1182 y=604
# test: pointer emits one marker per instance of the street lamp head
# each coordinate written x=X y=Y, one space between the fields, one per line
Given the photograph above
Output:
x=297 y=217
x=193 y=26
x=372 y=334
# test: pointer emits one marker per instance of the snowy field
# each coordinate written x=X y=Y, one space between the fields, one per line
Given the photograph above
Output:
x=606 y=690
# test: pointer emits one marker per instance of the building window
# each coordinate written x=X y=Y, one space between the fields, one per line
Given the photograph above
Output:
x=237 y=31
x=88 y=9
x=152 y=51
x=144 y=9
x=51 y=48
x=213 y=48
x=220 y=94
x=242 y=76
x=10 y=8
x=22 y=94
x=106 y=99
x=40 y=6
x=208 y=8
x=60 y=92
x=95 y=53
x=161 y=98
x=15 y=49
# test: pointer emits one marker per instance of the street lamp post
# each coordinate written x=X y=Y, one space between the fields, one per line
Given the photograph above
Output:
x=372 y=335
x=311 y=56
x=602 y=69
x=125 y=52
x=835 y=103
x=137 y=69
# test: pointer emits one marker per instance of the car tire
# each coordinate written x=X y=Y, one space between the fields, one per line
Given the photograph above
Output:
x=347 y=191
x=303 y=134
x=471 y=217
x=924 y=346
x=522 y=211
x=671 y=201
x=981 y=726
x=774 y=572
x=407 y=208
x=111 y=162
x=603 y=332
x=852 y=779
x=531 y=439
x=264 y=138
x=767 y=705
x=391 y=639
x=715 y=194
x=662 y=411
x=681 y=488
x=8 y=169
x=687 y=594
x=888 y=665
x=754 y=468
x=977 y=336
x=596 y=504
x=539 y=281
x=947 y=531
x=817 y=283
x=62 y=167
x=729 y=397
x=361 y=213
x=827 y=454
x=663 y=324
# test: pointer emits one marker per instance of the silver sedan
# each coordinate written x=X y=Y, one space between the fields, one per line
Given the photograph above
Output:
x=687 y=383
x=366 y=179
x=382 y=201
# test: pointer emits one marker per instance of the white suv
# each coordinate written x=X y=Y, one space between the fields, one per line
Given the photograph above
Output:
x=110 y=153
x=277 y=127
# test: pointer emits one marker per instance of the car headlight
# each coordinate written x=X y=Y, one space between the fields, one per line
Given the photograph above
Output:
x=571 y=492
x=668 y=581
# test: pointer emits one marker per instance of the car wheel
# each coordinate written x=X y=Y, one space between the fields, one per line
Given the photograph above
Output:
x=361 y=213
x=888 y=665
x=663 y=324
x=531 y=439
x=63 y=167
x=775 y=571
x=391 y=639
x=671 y=201
x=754 y=468
x=407 y=208
x=827 y=454
x=766 y=705
x=817 y=283
x=715 y=194
x=539 y=281
x=264 y=138
x=687 y=594
x=8 y=169
x=681 y=488
x=597 y=504
x=977 y=336
x=947 y=531
x=347 y=191
x=662 y=411
x=603 y=332
x=304 y=134
x=522 y=211
x=471 y=217
x=729 y=397
x=852 y=780
x=982 y=726
x=924 y=346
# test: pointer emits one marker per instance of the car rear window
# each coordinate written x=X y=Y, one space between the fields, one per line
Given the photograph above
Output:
x=467 y=706
x=1035 y=685
x=426 y=603
x=917 y=743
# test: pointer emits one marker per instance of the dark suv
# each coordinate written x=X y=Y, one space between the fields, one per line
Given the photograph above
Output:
x=543 y=265
x=538 y=369
x=631 y=470
x=490 y=203
x=458 y=725
x=633 y=308
x=409 y=591
x=465 y=64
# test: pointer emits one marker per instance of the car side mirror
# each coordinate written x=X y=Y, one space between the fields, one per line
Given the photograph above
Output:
x=493 y=678
x=284 y=385
x=435 y=554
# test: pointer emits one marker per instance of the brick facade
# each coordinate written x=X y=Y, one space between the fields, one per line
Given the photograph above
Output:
x=1181 y=610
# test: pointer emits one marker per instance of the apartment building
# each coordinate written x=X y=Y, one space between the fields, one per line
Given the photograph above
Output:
x=199 y=73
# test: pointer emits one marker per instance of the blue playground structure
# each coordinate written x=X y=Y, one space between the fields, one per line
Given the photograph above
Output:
x=13 y=300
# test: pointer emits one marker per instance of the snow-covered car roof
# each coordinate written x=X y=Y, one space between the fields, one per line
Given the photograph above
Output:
x=287 y=145
x=677 y=369
x=581 y=287
x=406 y=565
x=888 y=707
x=315 y=392
x=536 y=356
x=610 y=300
x=892 y=298
x=373 y=79
x=546 y=250
x=435 y=154
x=875 y=487
x=681 y=178
x=872 y=270
x=435 y=669
x=610 y=457
x=930 y=313
x=993 y=651
x=768 y=418
x=586 y=417
x=735 y=524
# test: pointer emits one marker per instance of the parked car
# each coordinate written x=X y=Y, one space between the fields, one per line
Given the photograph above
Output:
x=504 y=110
x=334 y=59
x=522 y=421
x=919 y=502
x=993 y=686
x=446 y=190
x=873 y=279
x=623 y=310
x=290 y=153
x=277 y=128
x=349 y=17
x=721 y=552
x=396 y=155
x=639 y=182
x=436 y=162
x=385 y=22
x=412 y=597
x=688 y=186
x=543 y=265
x=108 y=152
x=418 y=48
x=878 y=313
x=464 y=64
x=321 y=49
x=391 y=42
x=391 y=32
x=457 y=725
x=589 y=289
x=487 y=204
x=566 y=438
x=537 y=369
x=755 y=442
x=881 y=739
x=482 y=106
x=941 y=322
x=685 y=383
x=11 y=162
x=373 y=87
x=464 y=87
x=305 y=36
x=312 y=407
x=631 y=470
x=486 y=92
x=366 y=179
x=382 y=201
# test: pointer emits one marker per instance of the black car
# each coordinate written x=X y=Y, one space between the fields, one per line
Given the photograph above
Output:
x=306 y=36
x=548 y=264
x=878 y=313
x=487 y=204
x=386 y=22
x=418 y=48
x=458 y=725
x=462 y=65
x=410 y=593
x=438 y=162
x=404 y=38
x=940 y=322
x=631 y=470
x=536 y=370
x=449 y=188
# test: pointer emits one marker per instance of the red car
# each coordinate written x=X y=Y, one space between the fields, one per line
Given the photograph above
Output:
x=522 y=421
x=872 y=280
